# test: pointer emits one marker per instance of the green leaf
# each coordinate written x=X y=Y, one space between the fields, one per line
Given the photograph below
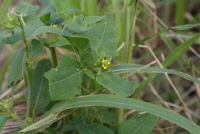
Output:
x=93 y=129
x=127 y=103
x=12 y=39
x=116 y=84
x=61 y=42
x=71 y=126
x=68 y=61
x=35 y=48
x=31 y=24
x=47 y=8
x=103 y=39
x=44 y=29
x=76 y=25
x=62 y=8
x=90 y=74
x=26 y=9
x=64 y=82
x=93 y=19
x=43 y=123
x=140 y=124
x=185 y=27
x=3 y=119
x=81 y=43
x=40 y=86
x=122 y=68
x=17 y=66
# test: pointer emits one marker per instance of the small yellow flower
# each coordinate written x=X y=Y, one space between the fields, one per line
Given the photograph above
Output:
x=105 y=64
x=53 y=25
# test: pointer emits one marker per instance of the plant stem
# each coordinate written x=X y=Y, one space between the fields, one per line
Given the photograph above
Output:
x=53 y=57
x=132 y=34
x=16 y=117
x=28 y=69
x=51 y=53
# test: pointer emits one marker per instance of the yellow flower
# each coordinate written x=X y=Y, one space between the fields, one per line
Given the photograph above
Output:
x=105 y=64
x=53 y=25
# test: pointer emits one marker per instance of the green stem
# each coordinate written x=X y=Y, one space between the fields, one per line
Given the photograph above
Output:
x=28 y=69
x=53 y=57
x=132 y=34
x=120 y=117
x=16 y=117
x=51 y=52
x=116 y=7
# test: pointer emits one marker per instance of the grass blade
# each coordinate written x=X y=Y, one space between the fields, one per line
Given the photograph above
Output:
x=127 y=103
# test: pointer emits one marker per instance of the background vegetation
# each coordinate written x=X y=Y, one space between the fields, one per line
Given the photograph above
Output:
x=171 y=47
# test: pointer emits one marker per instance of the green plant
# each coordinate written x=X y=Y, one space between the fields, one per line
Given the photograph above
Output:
x=82 y=91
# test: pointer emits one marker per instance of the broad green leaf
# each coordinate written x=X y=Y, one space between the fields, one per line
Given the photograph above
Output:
x=81 y=43
x=122 y=68
x=116 y=84
x=35 y=48
x=76 y=25
x=98 y=115
x=93 y=129
x=103 y=39
x=62 y=8
x=93 y=19
x=140 y=124
x=44 y=29
x=64 y=82
x=71 y=126
x=12 y=39
x=40 y=86
x=31 y=24
x=3 y=119
x=17 y=66
x=127 y=103
x=68 y=61
x=26 y=9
